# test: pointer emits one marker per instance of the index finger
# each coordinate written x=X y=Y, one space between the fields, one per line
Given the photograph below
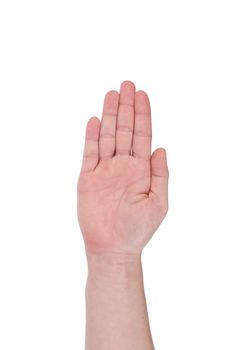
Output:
x=141 y=146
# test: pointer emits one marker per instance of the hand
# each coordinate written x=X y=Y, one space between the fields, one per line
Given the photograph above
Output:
x=122 y=188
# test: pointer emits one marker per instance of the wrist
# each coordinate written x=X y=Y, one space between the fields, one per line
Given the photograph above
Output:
x=113 y=266
x=108 y=259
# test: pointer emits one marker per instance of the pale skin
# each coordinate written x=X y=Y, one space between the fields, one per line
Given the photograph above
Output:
x=122 y=200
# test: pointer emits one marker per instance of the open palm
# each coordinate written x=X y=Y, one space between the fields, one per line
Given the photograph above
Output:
x=122 y=188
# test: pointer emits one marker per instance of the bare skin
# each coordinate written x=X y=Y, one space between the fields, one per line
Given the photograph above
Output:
x=122 y=200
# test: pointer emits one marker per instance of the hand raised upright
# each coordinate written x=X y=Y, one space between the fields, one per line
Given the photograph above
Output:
x=122 y=188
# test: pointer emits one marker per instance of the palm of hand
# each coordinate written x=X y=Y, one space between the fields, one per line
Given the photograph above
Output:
x=122 y=194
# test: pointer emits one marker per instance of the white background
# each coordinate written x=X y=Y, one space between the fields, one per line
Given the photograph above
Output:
x=58 y=59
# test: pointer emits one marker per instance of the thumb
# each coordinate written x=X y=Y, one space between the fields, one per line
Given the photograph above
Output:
x=159 y=178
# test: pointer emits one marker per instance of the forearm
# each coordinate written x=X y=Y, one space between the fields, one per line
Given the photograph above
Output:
x=116 y=313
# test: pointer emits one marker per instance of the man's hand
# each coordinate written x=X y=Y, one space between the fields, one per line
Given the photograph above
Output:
x=122 y=188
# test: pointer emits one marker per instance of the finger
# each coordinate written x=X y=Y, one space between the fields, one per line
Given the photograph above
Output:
x=159 y=179
x=125 y=118
x=142 y=135
x=90 y=154
x=107 y=139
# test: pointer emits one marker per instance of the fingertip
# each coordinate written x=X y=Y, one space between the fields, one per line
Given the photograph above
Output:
x=142 y=93
x=161 y=152
x=111 y=100
x=159 y=162
x=94 y=120
x=112 y=93
x=128 y=84
x=92 y=129
x=142 y=102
